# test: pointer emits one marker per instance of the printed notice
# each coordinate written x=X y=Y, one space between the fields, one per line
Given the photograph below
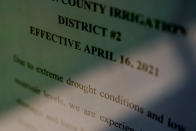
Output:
x=95 y=65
